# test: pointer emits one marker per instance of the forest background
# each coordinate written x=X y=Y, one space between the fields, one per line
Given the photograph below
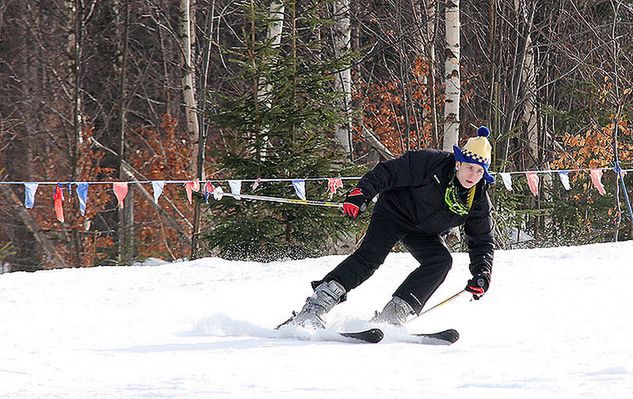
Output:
x=139 y=90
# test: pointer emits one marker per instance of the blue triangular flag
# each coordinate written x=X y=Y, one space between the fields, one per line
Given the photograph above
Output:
x=82 y=195
x=29 y=194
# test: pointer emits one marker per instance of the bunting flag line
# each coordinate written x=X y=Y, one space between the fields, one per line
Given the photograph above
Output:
x=191 y=186
x=507 y=180
x=120 y=191
x=209 y=187
x=533 y=180
x=236 y=188
x=596 y=178
x=29 y=194
x=82 y=196
x=563 y=175
x=58 y=203
x=300 y=188
x=259 y=181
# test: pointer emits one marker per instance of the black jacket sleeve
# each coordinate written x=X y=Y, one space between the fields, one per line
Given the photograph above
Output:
x=410 y=169
x=480 y=237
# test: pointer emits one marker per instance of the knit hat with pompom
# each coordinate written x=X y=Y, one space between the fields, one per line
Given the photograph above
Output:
x=477 y=150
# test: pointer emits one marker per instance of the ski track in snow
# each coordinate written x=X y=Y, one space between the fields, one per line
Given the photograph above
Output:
x=555 y=324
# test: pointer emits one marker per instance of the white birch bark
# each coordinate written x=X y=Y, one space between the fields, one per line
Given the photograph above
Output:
x=343 y=81
x=188 y=80
x=529 y=117
x=275 y=29
x=452 y=76
x=528 y=82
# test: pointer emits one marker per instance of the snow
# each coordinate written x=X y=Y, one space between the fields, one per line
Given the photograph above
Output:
x=556 y=323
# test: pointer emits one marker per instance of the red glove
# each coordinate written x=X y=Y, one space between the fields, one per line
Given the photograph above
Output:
x=478 y=285
x=355 y=203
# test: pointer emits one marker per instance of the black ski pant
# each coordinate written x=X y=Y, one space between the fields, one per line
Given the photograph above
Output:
x=383 y=233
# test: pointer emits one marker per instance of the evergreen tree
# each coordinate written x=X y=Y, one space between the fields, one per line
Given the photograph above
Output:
x=285 y=133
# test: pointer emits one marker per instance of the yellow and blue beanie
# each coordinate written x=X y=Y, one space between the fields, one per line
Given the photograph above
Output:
x=477 y=150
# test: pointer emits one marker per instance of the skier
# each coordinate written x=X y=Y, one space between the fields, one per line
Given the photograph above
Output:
x=422 y=195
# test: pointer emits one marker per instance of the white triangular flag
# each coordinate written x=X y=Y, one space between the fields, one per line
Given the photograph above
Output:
x=236 y=188
x=300 y=188
x=218 y=193
x=158 y=186
x=564 y=178
x=507 y=180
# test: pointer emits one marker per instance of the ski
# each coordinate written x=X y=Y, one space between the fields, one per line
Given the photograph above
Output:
x=371 y=336
x=445 y=337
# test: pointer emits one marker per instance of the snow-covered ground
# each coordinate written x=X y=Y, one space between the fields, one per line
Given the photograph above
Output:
x=556 y=324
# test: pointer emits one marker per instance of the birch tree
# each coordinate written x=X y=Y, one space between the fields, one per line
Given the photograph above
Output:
x=343 y=82
x=273 y=35
x=187 y=39
x=529 y=117
x=452 y=76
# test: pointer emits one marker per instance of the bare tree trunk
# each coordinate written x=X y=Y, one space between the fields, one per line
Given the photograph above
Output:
x=343 y=81
x=197 y=211
x=375 y=143
x=529 y=117
x=18 y=152
x=126 y=215
x=187 y=37
x=76 y=46
x=452 y=76
x=275 y=29
x=431 y=21
x=492 y=32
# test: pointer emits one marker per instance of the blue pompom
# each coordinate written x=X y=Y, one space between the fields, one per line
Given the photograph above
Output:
x=483 y=131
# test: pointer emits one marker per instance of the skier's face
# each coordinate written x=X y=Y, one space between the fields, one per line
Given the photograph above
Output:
x=468 y=174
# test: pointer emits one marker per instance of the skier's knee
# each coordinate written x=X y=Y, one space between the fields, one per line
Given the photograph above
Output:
x=443 y=262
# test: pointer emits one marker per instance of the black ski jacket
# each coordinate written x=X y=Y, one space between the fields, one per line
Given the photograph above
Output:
x=412 y=190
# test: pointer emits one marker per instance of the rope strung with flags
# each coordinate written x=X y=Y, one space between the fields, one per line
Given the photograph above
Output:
x=212 y=187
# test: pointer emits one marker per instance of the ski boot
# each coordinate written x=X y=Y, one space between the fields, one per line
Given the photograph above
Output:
x=395 y=312
x=325 y=296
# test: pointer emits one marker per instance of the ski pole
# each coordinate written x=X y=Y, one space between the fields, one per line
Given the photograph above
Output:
x=285 y=200
x=444 y=302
